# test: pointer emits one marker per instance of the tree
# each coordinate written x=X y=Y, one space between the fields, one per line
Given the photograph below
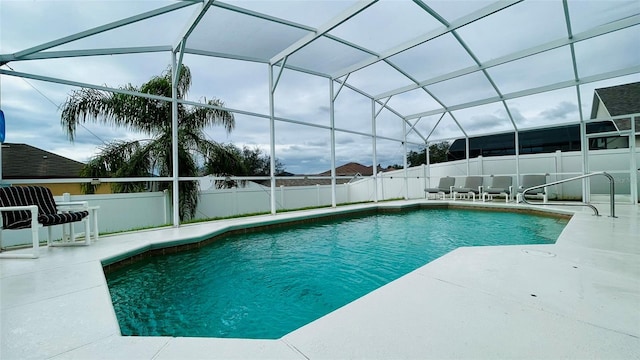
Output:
x=252 y=163
x=437 y=153
x=152 y=117
x=258 y=164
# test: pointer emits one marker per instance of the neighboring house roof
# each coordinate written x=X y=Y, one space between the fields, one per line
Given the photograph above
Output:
x=618 y=100
x=22 y=161
x=351 y=169
x=348 y=169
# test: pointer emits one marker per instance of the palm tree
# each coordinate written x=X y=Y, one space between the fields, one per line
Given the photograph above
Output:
x=152 y=156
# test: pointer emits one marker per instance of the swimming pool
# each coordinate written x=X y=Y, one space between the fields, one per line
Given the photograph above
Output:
x=266 y=284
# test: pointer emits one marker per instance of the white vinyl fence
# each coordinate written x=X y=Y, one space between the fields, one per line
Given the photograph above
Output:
x=119 y=212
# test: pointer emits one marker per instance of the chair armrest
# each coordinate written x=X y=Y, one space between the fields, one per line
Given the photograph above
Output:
x=32 y=208
x=71 y=205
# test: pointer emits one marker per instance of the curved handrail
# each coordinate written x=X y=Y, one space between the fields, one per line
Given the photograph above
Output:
x=611 y=192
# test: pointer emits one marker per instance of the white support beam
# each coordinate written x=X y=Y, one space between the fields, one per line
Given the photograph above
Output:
x=272 y=140
x=174 y=143
x=88 y=52
x=258 y=15
x=182 y=39
x=633 y=161
x=332 y=24
x=383 y=106
x=341 y=86
x=369 y=96
x=591 y=33
x=81 y=84
x=374 y=151
x=517 y=144
x=533 y=91
x=465 y=20
x=333 y=143
x=413 y=127
x=275 y=84
x=101 y=29
x=434 y=127
x=404 y=160
x=468 y=151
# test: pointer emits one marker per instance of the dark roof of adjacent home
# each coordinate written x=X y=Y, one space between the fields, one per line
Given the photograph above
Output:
x=348 y=169
x=22 y=161
x=618 y=100
x=352 y=169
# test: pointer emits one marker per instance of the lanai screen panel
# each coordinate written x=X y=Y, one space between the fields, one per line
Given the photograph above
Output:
x=325 y=56
x=229 y=32
x=313 y=13
x=468 y=56
x=413 y=102
x=385 y=25
x=24 y=24
x=543 y=69
x=432 y=59
x=609 y=52
x=519 y=27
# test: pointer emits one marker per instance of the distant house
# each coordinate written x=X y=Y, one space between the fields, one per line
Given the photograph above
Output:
x=616 y=101
x=351 y=169
x=607 y=102
x=22 y=161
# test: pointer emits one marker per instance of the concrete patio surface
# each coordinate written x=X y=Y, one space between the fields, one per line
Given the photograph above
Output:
x=578 y=298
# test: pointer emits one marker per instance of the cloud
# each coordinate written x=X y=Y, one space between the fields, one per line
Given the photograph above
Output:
x=486 y=121
x=561 y=111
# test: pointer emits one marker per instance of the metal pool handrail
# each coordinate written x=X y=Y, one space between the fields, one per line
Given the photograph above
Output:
x=611 y=192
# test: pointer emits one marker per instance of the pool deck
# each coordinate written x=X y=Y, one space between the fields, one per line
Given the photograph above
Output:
x=578 y=298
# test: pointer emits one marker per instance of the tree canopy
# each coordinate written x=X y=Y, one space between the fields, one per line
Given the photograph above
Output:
x=152 y=117
x=437 y=153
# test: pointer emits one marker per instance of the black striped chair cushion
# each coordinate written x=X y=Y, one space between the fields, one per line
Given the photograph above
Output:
x=33 y=195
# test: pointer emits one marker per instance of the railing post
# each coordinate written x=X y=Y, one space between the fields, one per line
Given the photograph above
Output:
x=612 y=193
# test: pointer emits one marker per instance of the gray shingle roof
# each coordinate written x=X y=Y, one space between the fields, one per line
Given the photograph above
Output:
x=22 y=161
x=619 y=100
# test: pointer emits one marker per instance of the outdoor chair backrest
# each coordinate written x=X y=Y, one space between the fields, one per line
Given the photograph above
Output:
x=533 y=180
x=23 y=196
x=446 y=183
x=501 y=182
x=473 y=182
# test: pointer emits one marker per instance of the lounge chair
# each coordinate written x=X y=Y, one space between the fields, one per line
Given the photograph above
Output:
x=444 y=187
x=472 y=186
x=500 y=185
x=24 y=207
x=531 y=181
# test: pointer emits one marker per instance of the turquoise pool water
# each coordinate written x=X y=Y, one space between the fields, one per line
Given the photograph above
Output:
x=264 y=285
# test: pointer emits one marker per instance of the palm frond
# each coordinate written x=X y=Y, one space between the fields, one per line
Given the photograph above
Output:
x=154 y=117
x=201 y=117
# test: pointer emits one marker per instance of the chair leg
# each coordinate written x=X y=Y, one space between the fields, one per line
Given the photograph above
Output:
x=48 y=235
x=87 y=231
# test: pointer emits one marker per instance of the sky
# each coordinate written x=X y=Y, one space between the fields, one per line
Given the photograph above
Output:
x=32 y=107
